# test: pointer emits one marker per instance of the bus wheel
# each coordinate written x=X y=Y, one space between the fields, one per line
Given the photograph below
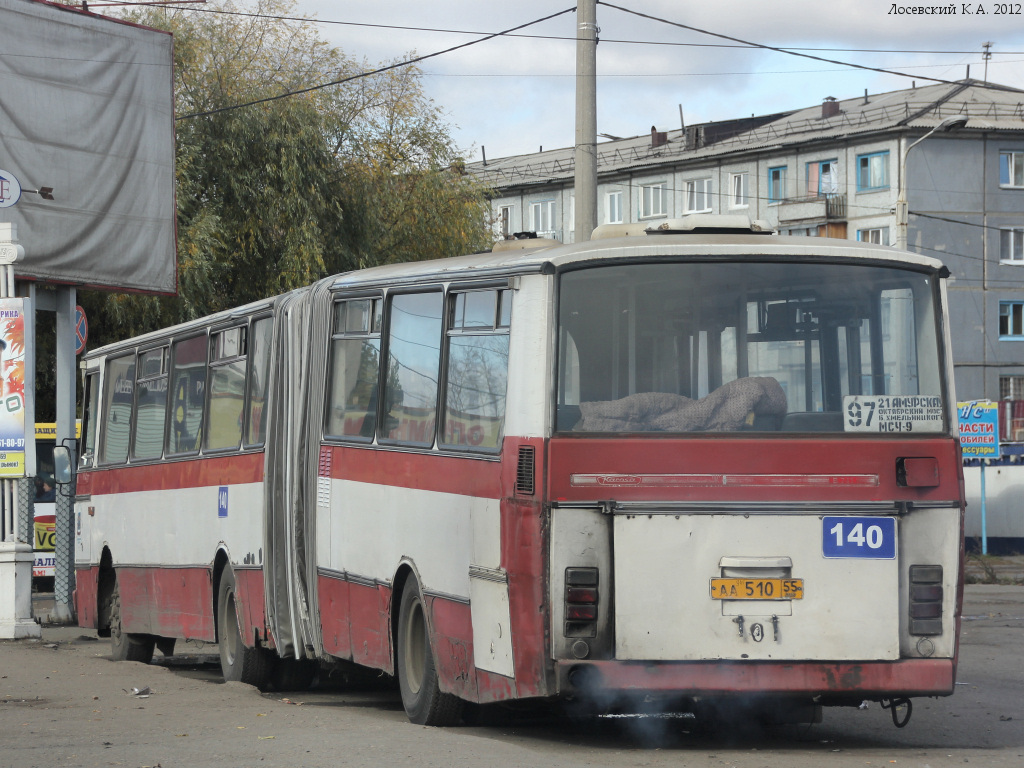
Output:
x=123 y=646
x=293 y=674
x=238 y=663
x=423 y=700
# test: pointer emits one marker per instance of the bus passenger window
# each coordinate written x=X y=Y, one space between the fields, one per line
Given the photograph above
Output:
x=188 y=388
x=355 y=366
x=227 y=388
x=414 y=357
x=259 y=373
x=151 y=405
x=117 y=408
x=477 y=370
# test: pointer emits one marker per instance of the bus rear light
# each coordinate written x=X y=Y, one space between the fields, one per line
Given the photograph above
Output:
x=581 y=601
x=587 y=595
x=926 y=599
x=581 y=577
x=924 y=593
x=926 y=610
x=581 y=613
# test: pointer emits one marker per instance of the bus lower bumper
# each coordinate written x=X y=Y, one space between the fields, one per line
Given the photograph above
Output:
x=881 y=679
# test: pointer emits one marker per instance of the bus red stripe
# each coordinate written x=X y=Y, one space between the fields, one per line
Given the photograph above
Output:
x=468 y=475
x=191 y=473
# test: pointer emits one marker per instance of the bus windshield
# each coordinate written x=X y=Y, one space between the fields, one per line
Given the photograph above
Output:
x=755 y=346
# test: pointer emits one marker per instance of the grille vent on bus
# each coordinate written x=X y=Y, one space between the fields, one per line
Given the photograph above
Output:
x=524 y=471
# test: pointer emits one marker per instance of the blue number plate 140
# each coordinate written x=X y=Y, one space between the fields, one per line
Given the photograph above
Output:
x=863 y=537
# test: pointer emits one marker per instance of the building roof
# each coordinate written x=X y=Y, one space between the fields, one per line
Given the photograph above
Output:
x=988 y=107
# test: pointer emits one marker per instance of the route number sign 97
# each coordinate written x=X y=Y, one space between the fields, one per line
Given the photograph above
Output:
x=886 y=413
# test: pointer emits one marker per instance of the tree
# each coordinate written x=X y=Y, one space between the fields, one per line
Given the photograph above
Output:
x=275 y=195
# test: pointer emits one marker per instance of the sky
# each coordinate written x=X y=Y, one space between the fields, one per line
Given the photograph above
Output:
x=514 y=95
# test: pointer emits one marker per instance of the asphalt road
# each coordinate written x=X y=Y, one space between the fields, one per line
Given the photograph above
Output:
x=64 y=703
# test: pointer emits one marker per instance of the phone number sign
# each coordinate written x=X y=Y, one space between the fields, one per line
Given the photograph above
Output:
x=979 y=427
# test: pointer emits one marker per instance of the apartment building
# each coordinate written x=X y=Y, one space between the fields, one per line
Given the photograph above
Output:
x=833 y=169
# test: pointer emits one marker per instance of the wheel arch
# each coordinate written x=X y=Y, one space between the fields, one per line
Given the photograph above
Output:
x=104 y=589
x=220 y=562
x=405 y=574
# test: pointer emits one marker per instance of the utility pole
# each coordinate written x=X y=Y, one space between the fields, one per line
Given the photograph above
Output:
x=586 y=120
x=986 y=56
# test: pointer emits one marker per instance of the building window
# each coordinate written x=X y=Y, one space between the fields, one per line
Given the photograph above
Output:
x=1011 y=320
x=876 y=235
x=1011 y=245
x=873 y=171
x=542 y=218
x=822 y=178
x=505 y=225
x=613 y=207
x=698 y=196
x=739 y=196
x=776 y=185
x=1011 y=387
x=1011 y=169
x=652 y=200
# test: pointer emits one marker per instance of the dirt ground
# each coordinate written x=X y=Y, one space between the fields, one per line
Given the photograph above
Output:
x=63 y=702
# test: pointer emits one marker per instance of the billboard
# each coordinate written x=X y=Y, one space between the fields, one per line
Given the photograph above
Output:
x=12 y=388
x=87 y=109
x=979 y=428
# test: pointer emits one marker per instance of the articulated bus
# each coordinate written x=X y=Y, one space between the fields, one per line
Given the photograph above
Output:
x=699 y=465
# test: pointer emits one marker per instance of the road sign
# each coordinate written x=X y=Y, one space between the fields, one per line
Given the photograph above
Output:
x=81 y=330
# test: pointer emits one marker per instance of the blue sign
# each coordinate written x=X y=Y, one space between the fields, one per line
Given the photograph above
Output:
x=222 y=502
x=870 y=538
x=979 y=428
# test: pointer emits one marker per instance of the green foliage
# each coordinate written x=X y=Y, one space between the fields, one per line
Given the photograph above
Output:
x=275 y=195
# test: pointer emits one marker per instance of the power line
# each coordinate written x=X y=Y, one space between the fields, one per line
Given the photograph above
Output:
x=772 y=47
x=447 y=30
x=378 y=71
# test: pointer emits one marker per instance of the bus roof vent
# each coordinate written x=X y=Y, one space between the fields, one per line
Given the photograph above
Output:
x=694 y=224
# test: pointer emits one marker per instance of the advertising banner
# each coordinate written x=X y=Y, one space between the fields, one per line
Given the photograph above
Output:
x=979 y=428
x=12 y=388
x=87 y=147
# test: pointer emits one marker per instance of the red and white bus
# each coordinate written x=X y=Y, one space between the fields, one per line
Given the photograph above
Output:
x=705 y=463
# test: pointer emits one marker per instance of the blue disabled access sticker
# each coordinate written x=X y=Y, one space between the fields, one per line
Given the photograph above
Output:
x=872 y=538
x=222 y=501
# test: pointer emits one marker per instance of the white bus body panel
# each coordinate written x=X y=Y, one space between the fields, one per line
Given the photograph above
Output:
x=664 y=564
x=179 y=527
x=367 y=530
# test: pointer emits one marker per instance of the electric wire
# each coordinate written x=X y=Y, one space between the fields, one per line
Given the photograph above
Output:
x=379 y=70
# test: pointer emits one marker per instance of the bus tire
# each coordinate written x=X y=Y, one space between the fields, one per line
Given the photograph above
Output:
x=238 y=662
x=125 y=646
x=424 y=702
x=293 y=674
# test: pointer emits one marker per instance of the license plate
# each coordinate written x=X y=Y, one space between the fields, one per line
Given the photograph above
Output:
x=757 y=589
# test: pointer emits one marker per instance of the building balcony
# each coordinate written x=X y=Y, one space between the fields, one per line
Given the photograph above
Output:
x=820 y=208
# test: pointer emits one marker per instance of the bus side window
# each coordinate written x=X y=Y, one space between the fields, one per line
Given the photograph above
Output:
x=355 y=369
x=150 y=405
x=259 y=372
x=477 y=369
x=188 y=388
x=117 y=409
x=414 y=361
x=227 y=388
